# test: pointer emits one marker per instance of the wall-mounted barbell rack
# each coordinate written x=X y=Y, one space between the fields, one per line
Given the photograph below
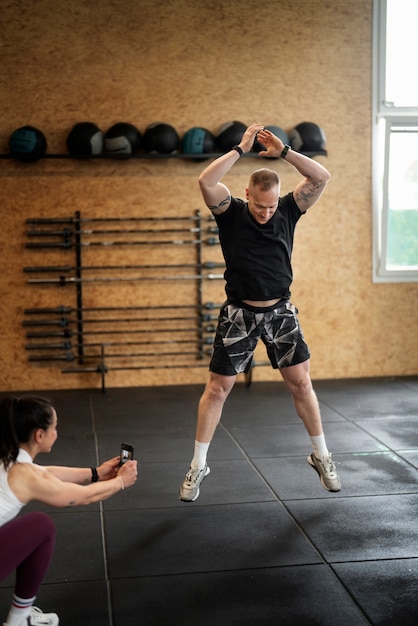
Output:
x=104 y=338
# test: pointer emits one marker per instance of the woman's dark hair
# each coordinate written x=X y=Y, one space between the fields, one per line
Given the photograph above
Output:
x=19 y=418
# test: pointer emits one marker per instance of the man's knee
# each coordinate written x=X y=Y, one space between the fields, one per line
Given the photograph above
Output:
x=301 y=388
x=218 y=386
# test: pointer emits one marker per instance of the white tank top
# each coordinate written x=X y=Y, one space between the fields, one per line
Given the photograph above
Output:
x=10 y=506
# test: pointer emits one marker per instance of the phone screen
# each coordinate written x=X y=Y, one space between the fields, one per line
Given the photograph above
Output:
x=126 y=452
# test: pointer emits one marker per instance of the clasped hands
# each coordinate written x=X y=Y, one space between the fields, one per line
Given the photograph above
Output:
x=274 y=146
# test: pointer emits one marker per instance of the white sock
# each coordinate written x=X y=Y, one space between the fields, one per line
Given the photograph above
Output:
x=200 y=454
x=319 y=447
x=19 y=611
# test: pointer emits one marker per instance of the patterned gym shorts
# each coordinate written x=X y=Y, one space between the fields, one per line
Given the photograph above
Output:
x=239 y=330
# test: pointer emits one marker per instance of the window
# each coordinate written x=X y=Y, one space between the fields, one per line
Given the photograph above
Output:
x=395 y=141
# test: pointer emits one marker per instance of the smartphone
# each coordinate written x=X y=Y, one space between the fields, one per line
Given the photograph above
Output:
x=126 y=453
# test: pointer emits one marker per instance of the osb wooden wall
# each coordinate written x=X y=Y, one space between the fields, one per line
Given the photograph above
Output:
x=191 y=63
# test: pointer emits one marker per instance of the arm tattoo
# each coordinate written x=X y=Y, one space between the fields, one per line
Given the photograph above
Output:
x=222 y=203
x=308 y=191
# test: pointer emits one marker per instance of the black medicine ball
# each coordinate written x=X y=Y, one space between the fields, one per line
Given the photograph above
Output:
x=162 y=138
x=229 y=135
x=197 y=141
x=85 y=139
x=27 y=143
x=308 y=138
x=122 y=139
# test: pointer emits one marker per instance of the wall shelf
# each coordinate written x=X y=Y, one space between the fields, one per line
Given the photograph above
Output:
x=141 y=156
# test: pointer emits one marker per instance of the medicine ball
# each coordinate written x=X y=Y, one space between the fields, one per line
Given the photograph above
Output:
x=229 y=135
x=276 y=130
x=85 y=139
x=161 y=137
x=197 y=141
x=122 y=139
x=27 y=143
x=308 y=138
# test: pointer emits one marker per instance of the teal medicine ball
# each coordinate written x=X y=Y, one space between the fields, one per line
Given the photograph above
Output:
x=27 y=143
x=198 y=141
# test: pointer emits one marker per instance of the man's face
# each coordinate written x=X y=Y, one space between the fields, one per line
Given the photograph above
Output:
x=262 y=204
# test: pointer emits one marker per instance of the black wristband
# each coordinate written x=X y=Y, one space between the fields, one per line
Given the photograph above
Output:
x=94 y=475
x=285 y=151
x=239 y=150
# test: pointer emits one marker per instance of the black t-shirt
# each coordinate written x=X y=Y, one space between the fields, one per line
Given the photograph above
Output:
x=258 y=256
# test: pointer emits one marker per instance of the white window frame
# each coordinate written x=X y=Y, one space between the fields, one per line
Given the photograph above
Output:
x=385 y=115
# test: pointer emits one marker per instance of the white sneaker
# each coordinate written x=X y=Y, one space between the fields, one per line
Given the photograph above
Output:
x=326 y=471
x=190 y=487
x=38 y=618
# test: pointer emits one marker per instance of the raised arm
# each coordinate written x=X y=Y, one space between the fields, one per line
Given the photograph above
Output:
x=215 y=194
x=316 y=177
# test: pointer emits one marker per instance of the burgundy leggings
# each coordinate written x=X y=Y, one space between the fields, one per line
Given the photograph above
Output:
x=27 y=545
